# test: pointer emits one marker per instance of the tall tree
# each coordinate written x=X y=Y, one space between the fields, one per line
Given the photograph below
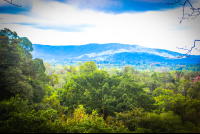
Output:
x=12 y=80
x=19 y=73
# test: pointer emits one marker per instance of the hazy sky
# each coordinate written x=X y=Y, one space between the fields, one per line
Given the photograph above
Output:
x=150 y=23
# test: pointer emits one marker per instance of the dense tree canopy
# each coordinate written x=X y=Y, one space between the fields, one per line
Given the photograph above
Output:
x=19 y=73
x=40 y=97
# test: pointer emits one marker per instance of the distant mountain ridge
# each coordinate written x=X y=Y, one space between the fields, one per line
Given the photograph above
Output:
x=111 y=52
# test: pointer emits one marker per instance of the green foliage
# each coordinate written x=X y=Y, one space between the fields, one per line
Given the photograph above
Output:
x=52 y=79
x=192 y=111
x=40 y=106
x=15 y=104
x=19 y=73
x=13 y=83
x=178 y=75
x=154 y=76
x=44 y=122
x=175 y=103
x=139 y=121
x=194 y=91
x=165 y=77
x=170 y=86
x=84 y=89
x=53 y=102
x=87 y=67
x=38 y=91
x=128 y=70
x=48 y=90
x=108 y=93
x=165 y=122
x=100 y=101
x=159 y=91
x=146 y=101
x=38 y=67
x=190 y=75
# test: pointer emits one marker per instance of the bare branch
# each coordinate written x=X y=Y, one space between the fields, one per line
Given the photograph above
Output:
x=10 y=2
x=189 y=50
x=194 y=10
x=186 y=15
x=188 y=53
x=174 y=3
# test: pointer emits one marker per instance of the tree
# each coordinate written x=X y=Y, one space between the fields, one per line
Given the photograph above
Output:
x=87 y=67
x=39 y=68
x=154 y=81
x=52 y=79
x=20 y=74
x=12 y=80
x=178 y=74
x=85 y=89
x=53 y=102
x=129 y=70
x=187 y=16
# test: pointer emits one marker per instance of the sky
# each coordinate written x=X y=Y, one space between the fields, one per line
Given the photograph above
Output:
x=150 y=23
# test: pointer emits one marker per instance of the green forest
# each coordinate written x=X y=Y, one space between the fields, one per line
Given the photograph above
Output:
x=37 y=97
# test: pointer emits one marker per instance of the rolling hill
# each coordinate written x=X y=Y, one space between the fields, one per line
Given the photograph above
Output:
x=110 y=53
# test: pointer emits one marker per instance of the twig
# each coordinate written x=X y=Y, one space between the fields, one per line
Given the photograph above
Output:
x=194 y=10
x=189 y=50
x=10 y=2
x=189 y=15
x=188 y=53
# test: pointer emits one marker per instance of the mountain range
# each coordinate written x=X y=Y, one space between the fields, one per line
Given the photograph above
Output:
x=113 y=53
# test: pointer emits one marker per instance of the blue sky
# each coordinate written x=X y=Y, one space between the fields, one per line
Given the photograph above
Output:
x=150 y=23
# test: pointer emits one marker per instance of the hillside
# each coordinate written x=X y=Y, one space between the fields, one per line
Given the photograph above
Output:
x=110 y=53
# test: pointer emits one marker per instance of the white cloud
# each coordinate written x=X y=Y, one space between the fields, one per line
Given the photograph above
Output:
x=158 y=29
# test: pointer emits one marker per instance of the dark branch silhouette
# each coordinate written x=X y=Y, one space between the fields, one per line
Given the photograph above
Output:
x=188 y=53
x=10 y=2
x=186 y=16
x=189 y=50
